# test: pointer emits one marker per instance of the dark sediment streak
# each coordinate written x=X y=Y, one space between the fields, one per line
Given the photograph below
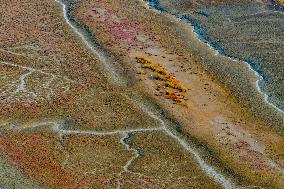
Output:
x=155 y=111
x=119 y=74
x=276 y=6
x=273 y=112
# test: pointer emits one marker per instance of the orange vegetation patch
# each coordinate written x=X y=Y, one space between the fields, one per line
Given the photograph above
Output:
x=280 y=2
x=171 y=82
x=148 y=64
x=171 y=87
x=38 y=156
x=176 y=97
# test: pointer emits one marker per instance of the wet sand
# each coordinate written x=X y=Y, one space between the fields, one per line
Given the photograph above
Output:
x=234 y=119
x=236 y=31
x=115 y=132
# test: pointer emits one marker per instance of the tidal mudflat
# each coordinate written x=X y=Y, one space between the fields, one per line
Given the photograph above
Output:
x=119 y=94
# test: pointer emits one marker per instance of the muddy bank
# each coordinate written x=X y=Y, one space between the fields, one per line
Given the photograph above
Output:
x=209 y=114
x=263 y=97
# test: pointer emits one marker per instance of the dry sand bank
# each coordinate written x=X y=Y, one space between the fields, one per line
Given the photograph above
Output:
x=210 y=113
x=66 y=122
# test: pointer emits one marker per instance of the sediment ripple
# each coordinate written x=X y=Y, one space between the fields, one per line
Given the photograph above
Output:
x=210 y=170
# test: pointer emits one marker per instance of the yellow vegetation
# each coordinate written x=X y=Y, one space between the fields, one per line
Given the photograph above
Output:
x=175 y=84
x=160 y=77
x=161 y=74
x=171 y=81
x=280 y=2
x=142 y=72
x=142 y=60
x=149 y=64
x=174 y=96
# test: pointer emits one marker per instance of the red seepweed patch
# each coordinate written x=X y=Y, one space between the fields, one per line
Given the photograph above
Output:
x=125 y=31
x=35 y=155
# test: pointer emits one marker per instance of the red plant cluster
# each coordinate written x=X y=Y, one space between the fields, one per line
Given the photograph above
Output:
x=171 y=87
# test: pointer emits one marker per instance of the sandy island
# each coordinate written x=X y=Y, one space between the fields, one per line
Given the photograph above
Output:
x=110 y=95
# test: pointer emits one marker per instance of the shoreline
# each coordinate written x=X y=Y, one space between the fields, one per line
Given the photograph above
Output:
x=119 y=126
x=193 y=118
x=102 y=57
x=209 y=170
x=214 y=47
